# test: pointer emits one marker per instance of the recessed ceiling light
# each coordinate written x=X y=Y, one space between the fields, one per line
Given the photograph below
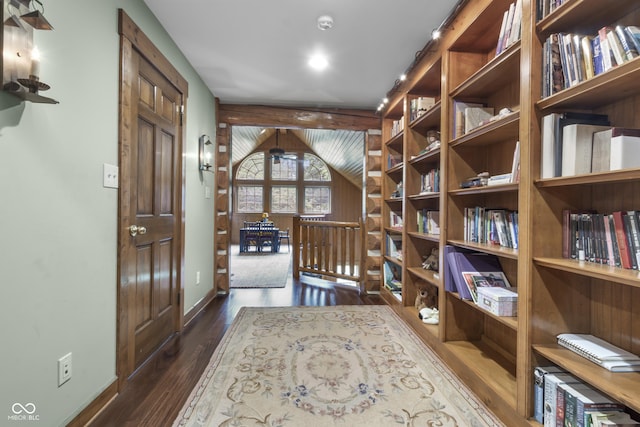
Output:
x=318 y=62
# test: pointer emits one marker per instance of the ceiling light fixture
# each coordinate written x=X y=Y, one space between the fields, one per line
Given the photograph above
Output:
x=318 y=62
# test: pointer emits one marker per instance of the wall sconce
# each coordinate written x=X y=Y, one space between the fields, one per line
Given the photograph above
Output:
x=205 y=156
x=20 y=59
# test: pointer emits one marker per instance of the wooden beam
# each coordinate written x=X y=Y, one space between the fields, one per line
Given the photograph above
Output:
x=301 y=118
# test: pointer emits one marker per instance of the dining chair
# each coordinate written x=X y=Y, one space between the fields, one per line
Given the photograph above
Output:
x=284 y=235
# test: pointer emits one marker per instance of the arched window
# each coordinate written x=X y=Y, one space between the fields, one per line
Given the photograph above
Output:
x=295 y=183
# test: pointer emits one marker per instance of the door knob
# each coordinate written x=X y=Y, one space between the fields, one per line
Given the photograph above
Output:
x=135 y=230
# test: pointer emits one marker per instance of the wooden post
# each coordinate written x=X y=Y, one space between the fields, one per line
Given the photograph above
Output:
x=296 y=246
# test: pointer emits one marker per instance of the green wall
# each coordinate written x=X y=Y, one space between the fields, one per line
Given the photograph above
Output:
x=58 y=246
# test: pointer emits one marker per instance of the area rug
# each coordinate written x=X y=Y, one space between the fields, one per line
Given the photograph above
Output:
x=325 y=366
x=260 y=270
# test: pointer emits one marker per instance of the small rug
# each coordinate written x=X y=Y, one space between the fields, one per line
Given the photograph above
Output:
x=325 y=366
x=260 y=270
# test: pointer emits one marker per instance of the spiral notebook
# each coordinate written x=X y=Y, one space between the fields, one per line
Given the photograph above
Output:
x=601 y=352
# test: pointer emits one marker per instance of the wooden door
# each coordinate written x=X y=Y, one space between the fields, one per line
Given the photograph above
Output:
x=151 y=205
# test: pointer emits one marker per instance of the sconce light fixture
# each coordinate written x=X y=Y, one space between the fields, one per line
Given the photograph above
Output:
x=35 y=17
x=205 y=156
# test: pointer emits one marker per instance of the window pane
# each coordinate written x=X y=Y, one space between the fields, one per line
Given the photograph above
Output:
x=284 y=199
x=284 y=170
x=250 y=198
x=315 y=169
x=252 y=168
x=317 y=200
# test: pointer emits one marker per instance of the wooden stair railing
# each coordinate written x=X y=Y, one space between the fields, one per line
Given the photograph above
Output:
x=329 y=249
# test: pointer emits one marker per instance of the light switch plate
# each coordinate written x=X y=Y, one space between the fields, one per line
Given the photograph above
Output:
x=109 y=176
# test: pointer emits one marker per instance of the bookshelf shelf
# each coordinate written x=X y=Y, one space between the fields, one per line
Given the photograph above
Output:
x=429 y=120
x=430 y=156
x=496 y=250
x=425 y=196
x=396 y=142
x=622 y=386
x=500 y=130
x=426 y=275
x=625 y=175
x=396 y=170
x=510 y=322
x=492 y=76
x=503 y=188
x=431 y=237
x=483 y=361
x=591 y=269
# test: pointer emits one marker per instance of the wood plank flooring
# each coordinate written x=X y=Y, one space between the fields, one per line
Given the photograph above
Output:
x=158 y=390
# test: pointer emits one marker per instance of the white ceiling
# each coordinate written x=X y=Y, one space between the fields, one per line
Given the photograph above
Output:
x=255 y=51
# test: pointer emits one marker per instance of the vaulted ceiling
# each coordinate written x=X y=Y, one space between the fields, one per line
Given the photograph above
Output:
x=343 y=150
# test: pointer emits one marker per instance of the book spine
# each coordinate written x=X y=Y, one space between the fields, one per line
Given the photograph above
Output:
x=598 y=60
x=621 y=237
x=609 y=238
x=604 y=49
x=635 y=235
x=627 y=45
x=616 y=46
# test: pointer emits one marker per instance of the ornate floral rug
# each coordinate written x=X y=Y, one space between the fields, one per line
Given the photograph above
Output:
x=324 y=366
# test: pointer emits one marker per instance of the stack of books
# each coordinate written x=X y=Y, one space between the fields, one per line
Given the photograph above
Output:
x=600 y=352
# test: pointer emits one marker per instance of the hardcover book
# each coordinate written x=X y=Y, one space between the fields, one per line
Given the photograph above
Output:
x=577 y=148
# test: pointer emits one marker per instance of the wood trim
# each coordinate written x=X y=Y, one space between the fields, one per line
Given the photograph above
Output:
x=128 y=29
x=201 y=305
x=97 y=405
x=291 y=117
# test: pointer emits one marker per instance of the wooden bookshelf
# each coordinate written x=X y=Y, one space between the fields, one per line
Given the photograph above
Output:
x=496 y=355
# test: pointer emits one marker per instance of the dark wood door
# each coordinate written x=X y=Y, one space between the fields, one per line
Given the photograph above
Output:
x=155 y=157
x=151 y=203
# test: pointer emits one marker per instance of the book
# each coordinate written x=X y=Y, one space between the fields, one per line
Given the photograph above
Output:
x=475 y=116
x=607 y=55
x=539 y=374
x=503 y=27
x=634 y=239
x=600 y=352
x=616 y=46
x=621 y=143
x=577 y=148
x=598 y=59
x=552 y=138
x=628 y=46
x=612 y=418
x=634 y=35
x=621 y=238
x=515 y=163
x=458 y=116
x=471 y=263
x=587 y=56
x=551 y=382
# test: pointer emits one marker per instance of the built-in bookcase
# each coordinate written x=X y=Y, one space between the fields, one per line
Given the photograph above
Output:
x=569 y=295
x=496 y=355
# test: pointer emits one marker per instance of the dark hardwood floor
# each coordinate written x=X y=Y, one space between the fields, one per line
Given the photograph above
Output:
x=158 y=390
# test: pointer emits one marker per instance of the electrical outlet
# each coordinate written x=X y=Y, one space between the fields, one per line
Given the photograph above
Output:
x=64 y=369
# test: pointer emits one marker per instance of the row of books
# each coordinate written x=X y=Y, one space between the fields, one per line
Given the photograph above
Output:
x=419 y=106
x=397 y=126
x=465 y=272
x=394 y=246
x=561 y=399
x=511 y=27
x=494 y=226
x=430 y=182
x=393 y=160
x=612 y=239
x=570 y=58
x=545 y=7
x=393 y=278
x=428 y=221
x=395 y=220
